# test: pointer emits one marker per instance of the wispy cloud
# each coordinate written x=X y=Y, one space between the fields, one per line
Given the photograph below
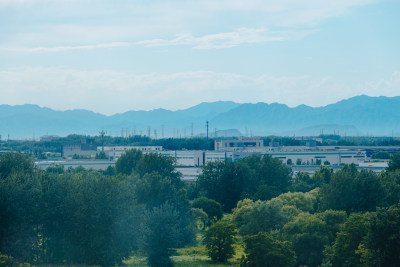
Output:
x=209 y=24
x=228 y=39
x=66 y=48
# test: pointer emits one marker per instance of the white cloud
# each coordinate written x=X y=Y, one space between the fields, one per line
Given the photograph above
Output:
x=228 y=39
x=111 y=92
x=70 y=22
x=66 y=48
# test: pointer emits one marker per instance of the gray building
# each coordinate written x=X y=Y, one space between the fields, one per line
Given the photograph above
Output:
x=86 y=148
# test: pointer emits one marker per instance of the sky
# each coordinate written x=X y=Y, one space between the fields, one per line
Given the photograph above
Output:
x=114 y=56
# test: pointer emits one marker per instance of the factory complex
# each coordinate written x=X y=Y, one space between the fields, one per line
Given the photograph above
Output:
x=307 y=158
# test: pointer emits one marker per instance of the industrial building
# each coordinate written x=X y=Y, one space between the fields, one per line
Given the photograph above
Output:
x=240 y=144
x=114 y=152
x=86 y=148
x=299 y=155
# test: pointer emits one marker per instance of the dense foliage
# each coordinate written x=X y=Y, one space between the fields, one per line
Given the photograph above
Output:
x=257 y=177
x=219 y=239
x=84 y=217
x=79 y=216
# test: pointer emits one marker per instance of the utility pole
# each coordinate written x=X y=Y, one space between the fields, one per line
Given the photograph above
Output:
x=207 y=135
x=191 y=134
x=102 y=134
x=162 y=131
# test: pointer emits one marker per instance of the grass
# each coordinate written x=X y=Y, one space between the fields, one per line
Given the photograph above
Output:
x=192 y=256
x=195 y=255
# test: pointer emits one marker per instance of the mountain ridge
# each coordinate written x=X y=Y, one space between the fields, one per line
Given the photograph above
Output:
x=359 y=115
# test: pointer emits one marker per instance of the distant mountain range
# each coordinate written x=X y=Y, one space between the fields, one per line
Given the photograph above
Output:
x=360 y=115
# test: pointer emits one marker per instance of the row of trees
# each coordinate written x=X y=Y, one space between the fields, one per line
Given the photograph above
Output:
x=55 y=145
x=85 y=217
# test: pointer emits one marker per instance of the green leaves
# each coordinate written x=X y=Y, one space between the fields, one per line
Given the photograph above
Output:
x=219 y=239
x=263 y=250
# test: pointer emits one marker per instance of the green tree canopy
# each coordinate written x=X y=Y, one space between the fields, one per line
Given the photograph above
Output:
x=211 y=207
x=260 y=216
x=343 y=251
x=351 y=190
x=381 y=155
x=15 y=162
x=302 y=201
x=262 y=250
x=126 y=164
x=394 y=163
x=223 y=181
x=163 y=228
x=390 y=181
x=308 y=235
x=219 y=240
x=382 y=243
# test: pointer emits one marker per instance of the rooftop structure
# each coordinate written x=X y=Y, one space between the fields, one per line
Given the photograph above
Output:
x=239 y=144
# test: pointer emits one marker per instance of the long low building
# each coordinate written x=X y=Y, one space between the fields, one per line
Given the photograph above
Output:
x=115 y=152
x=311 y=157
x=190 y=173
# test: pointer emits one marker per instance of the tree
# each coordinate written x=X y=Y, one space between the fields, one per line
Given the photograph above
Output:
x=164 y=228
x=333 y=219
x=351 y=190
x=101 y=155
x=219 y=240
x=381 y=155
x=222 y=181
x=302 y=201
x=55 y=169
x=126 y=164
x=394 y=163
x=262 y=250
x=20 y=202
x=381 y=245
x=211 y=207
x=390 y=181
x=298 y=161
x=308 y=235
x=323 y=175
x=153 y=190
x=302 y=182
x=267 y=170
x=15 y=162
x=343 y=251
x=154 y=162
x=260 y=216
x=289 y=162
x=201 y=217
x=87 y=214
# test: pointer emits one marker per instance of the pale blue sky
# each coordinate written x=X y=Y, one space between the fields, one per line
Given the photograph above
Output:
x=114 y=56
